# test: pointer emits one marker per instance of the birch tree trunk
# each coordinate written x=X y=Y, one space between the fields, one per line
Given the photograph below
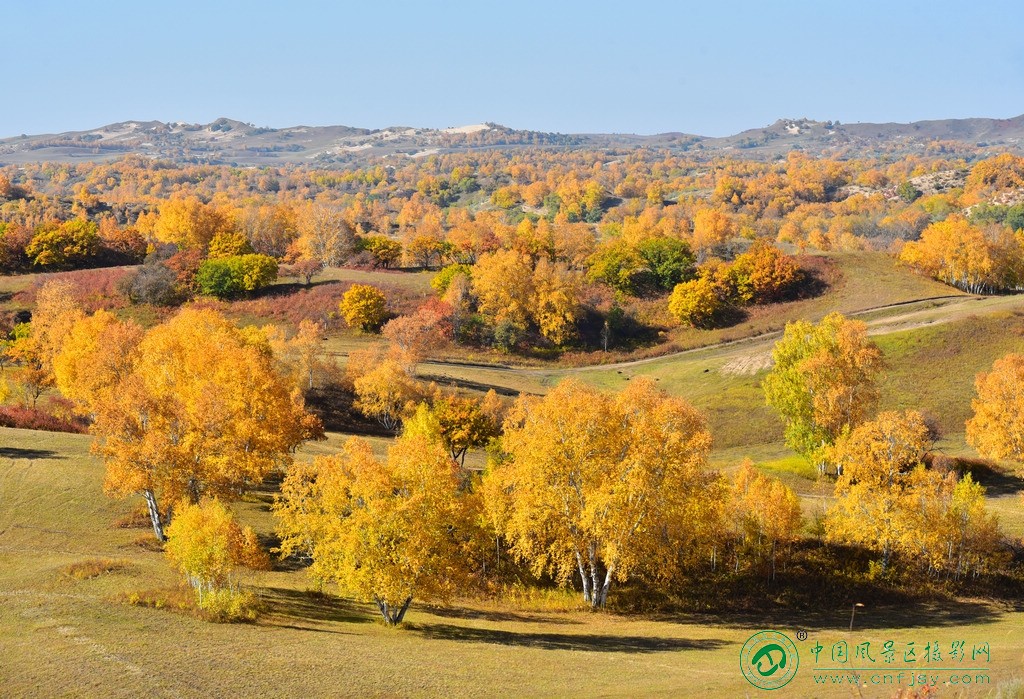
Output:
x=154 y=514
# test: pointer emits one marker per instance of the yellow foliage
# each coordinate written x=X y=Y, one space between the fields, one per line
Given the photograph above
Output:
x=98 y=353
x=364 y=307
x=189 y=223
x=711 y=228
x=202 y=412
x=591 y=483
x=385 y=392
x=556 y=304
x=503 y=284
x=889 y=502
x=765 y=513
x=696 y=302
x=823 y=381
x=207 y=546
x=385 y=532
x=997 y=428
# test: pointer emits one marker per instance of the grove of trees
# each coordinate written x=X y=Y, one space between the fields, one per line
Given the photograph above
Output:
x=192 y=404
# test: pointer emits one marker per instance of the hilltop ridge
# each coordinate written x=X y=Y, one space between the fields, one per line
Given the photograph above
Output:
x=230 y=141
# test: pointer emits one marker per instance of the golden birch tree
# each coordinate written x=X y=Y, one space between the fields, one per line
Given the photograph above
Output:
x=591 y=482
x=384 y=531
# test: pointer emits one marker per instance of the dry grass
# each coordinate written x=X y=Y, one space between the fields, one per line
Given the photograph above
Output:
x=62 y=636
x=95 y=567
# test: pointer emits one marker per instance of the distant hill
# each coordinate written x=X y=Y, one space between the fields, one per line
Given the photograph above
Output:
x=226 y=141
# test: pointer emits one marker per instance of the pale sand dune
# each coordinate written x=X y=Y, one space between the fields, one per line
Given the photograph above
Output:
x=471 y=128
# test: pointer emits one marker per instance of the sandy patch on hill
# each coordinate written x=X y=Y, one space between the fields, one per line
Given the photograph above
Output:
x=470 y=128
x=747 y=364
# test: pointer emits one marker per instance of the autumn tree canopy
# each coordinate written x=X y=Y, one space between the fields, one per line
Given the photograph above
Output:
x=203 y=412
x=384 y=531
x=889 y=502
x=364 y=307
x=822 y=382
x=591 y=483
x=997 y=428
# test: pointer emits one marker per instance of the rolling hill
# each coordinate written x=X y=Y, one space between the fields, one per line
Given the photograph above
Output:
x=227 y=141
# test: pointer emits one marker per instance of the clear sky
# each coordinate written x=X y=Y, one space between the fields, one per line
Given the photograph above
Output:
x=711 y=68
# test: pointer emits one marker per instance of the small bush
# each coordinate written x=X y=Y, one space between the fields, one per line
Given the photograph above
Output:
x=227 y=277
x=228 y=606
x=208 y=546
x=95 y=567
x=507 y=335
x=223 y=607
x=155 y=284
x=178 y=600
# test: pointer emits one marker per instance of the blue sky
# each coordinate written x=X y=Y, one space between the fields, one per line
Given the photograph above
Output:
x=711 y=68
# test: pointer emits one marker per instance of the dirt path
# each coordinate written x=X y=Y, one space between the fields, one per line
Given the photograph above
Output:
x=942 y=309
x=958 y=306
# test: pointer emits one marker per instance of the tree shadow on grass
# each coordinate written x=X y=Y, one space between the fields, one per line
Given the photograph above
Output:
x=562 y=641
x=288 y=288
x=907 y=616
x=494 y=615
x=997 y=480
x=294 y=609
x=18 y=453
x=871 y=616
x=455 y=382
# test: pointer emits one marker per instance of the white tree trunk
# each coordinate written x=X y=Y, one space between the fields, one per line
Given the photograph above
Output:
x=154 y=515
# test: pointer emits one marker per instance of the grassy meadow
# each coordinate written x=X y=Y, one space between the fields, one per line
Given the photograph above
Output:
x=65 y=636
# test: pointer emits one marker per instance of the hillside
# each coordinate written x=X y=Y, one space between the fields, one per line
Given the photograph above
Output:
x=78 y=636
x=227 y=141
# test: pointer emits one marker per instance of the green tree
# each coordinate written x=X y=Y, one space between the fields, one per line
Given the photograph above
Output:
x=669 y=260
x=227 y=277
x=618 y=265
x=908 y=192
x=443 y=279
x=823 y=382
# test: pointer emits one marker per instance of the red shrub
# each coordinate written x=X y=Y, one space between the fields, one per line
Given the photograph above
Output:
x=316 y=303
x=94 y=288
x=35 y=419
